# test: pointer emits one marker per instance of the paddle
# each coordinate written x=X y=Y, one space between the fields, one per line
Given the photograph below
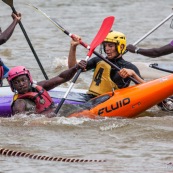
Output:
x=81 y=42
x=10 y=3
x=155 y=66
x=151 y=31
x=102 y=33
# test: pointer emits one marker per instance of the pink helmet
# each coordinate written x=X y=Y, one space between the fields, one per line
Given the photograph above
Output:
x=17 y=71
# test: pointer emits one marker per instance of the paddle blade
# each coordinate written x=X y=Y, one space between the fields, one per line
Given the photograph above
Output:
x=8 y=2
x=102 y=33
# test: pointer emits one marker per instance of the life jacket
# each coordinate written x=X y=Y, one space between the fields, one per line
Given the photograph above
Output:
x=1 y=74
x=41 y=98
x=101 y=82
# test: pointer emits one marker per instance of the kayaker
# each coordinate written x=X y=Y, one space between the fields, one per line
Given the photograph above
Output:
x=152 y=52
x=32 y=97
x=3 y=72
x=4 y=36
x=105 y=78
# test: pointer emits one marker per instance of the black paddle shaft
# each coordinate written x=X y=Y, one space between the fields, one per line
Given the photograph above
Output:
x=155 y=66
x=29 y=42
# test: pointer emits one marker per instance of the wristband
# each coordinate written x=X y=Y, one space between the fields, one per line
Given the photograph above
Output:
x=136 y=50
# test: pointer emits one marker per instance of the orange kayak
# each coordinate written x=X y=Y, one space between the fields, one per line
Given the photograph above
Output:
x=129 y=102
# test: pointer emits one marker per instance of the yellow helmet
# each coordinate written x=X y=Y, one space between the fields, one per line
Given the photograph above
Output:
x=118 y=38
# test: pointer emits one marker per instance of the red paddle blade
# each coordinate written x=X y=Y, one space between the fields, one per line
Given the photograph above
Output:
x=102 y=33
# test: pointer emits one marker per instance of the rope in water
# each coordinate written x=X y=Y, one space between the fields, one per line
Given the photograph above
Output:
x=7 y=152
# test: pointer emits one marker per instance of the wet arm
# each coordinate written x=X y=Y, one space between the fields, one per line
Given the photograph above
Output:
x=4 y=36
x=156 y=52
x=60 y=79
x=153 y=52
x=72 y=52
x=19 y=106
x=124 y=73
x=139 y=79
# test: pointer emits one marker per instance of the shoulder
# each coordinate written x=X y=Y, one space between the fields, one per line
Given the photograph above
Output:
x=20 y=101
x=23 y=105
x=94 y=59
x=125 y=63
x=130 y=65
x=18 y=106
x=92 y=62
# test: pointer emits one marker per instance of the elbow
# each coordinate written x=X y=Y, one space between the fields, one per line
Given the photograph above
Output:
x=3 y=40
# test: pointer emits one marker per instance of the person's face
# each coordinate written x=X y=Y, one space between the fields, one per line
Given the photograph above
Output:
x=21 y=84
x=110 y=50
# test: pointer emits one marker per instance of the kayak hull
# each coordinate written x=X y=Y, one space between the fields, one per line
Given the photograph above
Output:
x=130 y=102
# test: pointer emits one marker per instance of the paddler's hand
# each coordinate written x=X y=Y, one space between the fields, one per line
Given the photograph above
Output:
x=75 y=40
x=131 y=48
x=81 y=65
x=124 y=72
x=16 y=17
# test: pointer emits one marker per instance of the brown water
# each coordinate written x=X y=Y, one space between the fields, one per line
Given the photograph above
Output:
x=143 y=144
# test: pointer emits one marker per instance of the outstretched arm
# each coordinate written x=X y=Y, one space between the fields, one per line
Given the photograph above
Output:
x=72 y=53
x=4 y=36
x=62 y=77
x=153 y=52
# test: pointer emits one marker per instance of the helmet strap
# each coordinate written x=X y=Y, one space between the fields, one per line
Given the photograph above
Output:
x=118 y=54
